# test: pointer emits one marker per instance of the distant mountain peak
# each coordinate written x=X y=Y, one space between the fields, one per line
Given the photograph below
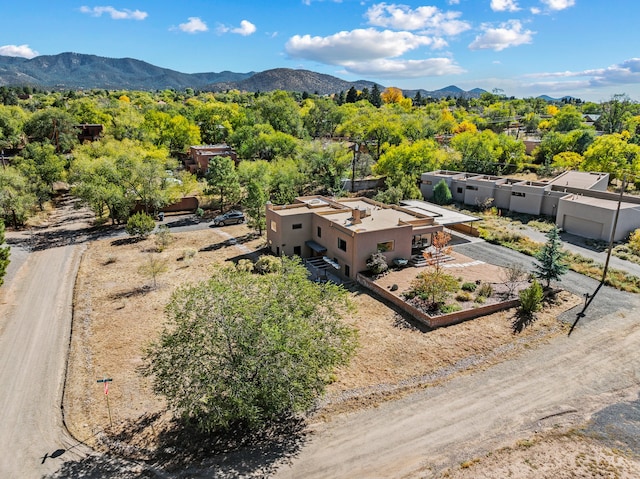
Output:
x=70 y=70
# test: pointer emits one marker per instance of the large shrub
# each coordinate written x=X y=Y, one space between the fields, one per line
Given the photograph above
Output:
x=140 y=225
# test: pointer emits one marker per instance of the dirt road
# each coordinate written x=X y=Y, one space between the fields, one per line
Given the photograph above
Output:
x=562 y=383
x=35 y=322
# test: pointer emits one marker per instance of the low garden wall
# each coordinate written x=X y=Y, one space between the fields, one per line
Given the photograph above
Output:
x=435 y=321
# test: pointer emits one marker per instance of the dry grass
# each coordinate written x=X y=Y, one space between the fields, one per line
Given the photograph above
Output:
x=117 y=314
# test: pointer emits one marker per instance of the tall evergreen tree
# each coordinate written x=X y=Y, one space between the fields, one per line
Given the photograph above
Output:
x=551 y=258
x=352 y=95
x=374 y=96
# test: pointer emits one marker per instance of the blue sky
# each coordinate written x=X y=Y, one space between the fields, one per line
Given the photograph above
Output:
x=585 y=48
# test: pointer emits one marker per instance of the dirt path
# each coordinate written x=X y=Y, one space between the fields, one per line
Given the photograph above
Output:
x=561 y=383
x=35 y=322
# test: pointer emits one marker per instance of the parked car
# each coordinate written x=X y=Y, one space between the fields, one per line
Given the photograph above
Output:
x=229 y=218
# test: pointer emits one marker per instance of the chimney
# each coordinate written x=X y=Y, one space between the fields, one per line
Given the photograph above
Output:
x=356 y=216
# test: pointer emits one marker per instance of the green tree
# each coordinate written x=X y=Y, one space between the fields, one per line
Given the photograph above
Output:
x=140 y=225
x=442 y=193
x=551 y=258
x=434 y=285
x=254 y=203
x=222 y=181
x=54 y=126
x=4 y=254
x=225 y=359
x=152 y=267
x=377 y=263
x=16 y=196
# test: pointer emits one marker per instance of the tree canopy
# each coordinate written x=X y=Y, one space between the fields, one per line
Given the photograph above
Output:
x=225 y=359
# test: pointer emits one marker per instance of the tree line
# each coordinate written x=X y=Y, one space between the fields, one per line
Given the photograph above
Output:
x=294 y=143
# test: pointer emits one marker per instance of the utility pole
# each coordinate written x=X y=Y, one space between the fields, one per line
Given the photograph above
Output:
x=588 y=297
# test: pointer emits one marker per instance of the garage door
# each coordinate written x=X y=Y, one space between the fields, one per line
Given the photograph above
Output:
x=582 y=227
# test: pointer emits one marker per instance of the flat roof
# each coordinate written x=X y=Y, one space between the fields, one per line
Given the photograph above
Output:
x=578 y=179
x=375 y=218
x=599 y=202
x=442 y=216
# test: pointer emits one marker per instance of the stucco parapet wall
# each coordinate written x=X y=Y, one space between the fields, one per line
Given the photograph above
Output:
x=434 y=321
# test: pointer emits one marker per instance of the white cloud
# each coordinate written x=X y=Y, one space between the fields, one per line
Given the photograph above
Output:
x=194 y=25
x=509 y=34
x=388 y=68
x=22 y=51
x=536 y=10
x=559 y=4
x=246 y=28
x=354 y=46
x=627 y=72
x=453 y=2
x=430 y=19
x=124 y=14
x=504 y=5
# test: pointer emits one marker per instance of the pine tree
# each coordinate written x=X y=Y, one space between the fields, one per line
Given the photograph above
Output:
x=551 y=259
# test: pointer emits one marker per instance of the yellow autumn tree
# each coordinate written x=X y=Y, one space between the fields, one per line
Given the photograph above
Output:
x=392 y=95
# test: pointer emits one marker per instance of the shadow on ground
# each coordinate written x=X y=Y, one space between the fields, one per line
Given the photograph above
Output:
x=618 y=426
x=181 y=451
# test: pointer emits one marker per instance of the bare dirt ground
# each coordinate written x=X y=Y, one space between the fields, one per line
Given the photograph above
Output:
x=117 y=314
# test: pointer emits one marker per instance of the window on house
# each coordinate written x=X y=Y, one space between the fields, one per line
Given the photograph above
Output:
x=427 y=182
x=319 y=232
x=385 y=246
x=518 y=193
x=459 y=189
x=274 y=226
x=296 y=226
x=473 y=188
x=297 y=250
x=347 y=270
x=342 y=244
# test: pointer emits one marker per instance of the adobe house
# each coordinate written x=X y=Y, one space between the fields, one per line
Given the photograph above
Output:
x=198 y=158
x=346 y=231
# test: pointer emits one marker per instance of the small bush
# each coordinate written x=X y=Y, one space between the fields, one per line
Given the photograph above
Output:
x=471 y=287
x=268 y=264
x=245 y=265
x=199 y=212
x=188 y=255
x=531 y=298
x=377 y=263
x=140 y=224
x=485 y=290
x=464 y=296
x=480 y=300
x=450 y=308
x=163 y=237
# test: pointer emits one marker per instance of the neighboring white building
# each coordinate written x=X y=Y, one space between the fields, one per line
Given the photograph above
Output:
x=578 y=201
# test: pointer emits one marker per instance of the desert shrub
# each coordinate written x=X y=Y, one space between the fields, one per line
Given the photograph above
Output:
x=188 y=255
x=471 y=287
x=634 y=241
x=163 y=237
x=377 y=263
x=450 y=308
x=464 y=296
x=268 y=264
x=140 y=224
x=485 y=290
x=531 y=298
x=480 y=300
x=245 y=265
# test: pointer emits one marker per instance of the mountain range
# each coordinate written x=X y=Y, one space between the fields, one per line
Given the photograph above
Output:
x=81 y=71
